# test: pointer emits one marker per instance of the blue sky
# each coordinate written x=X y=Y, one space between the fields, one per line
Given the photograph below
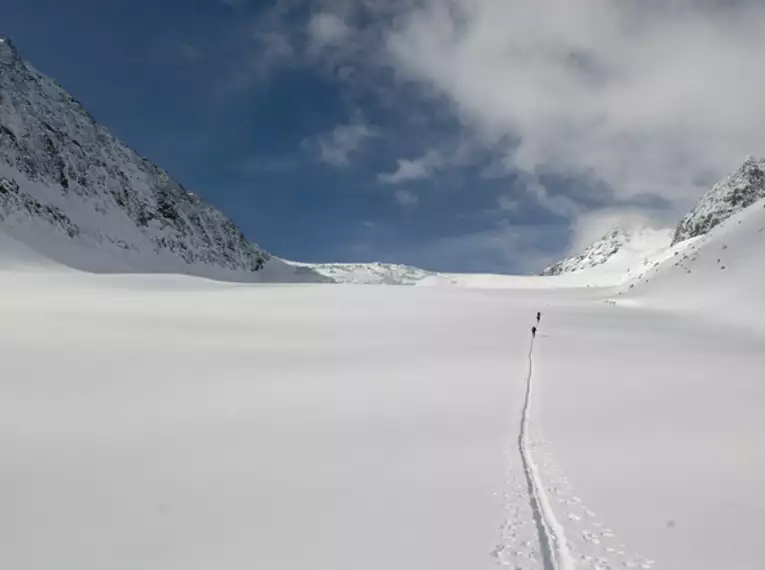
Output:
x=441 y=134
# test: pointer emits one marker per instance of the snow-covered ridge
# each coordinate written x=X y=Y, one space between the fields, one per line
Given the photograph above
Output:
x=596 y=254
x=65 y=177
x=620 y=249
x=78 y=196
x=75 y=194
x=369 y=273
x=627 y=253
x=720 y=272
x=726 y=198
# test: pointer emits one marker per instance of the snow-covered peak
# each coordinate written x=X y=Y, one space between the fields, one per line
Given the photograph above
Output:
x=630 y=250
x=79 y=196
x=620 y=246
x=726 y=198
x=8 y=53
x=720 y=272
x=597 y=253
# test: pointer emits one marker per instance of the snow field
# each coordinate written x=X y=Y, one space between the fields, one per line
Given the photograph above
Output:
x=165 y=421
x=176 y=423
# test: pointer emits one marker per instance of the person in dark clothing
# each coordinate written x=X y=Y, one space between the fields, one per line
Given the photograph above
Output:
x=539 y=317
x=533 y=331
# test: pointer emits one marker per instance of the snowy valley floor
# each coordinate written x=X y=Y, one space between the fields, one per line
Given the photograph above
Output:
x=172 y=423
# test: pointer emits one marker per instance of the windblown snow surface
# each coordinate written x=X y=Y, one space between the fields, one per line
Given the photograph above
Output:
x=170 y=422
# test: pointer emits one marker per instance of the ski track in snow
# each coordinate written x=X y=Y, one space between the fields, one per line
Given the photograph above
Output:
x=594 y=545
x=552 y=537
x=533 y=537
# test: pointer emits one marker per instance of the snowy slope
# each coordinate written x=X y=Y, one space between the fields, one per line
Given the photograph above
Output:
x=181 y=423
x=650 y=422
x=597 y=253
x=617 y=258
x=722 y=270
x=18 y=256
x=622 y=254
x=76 y=194
x=178 y=423
x=169 y=422
x=728 y=197
x=621 y=249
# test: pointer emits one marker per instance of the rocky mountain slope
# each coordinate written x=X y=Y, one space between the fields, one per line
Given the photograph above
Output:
x=635 y=249
x=597 y=253
x=726 y=198
x=77 y=195
x=721 y=271
x=620 y=245
x=87 y=200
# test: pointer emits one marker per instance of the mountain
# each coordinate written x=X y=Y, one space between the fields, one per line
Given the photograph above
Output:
x=720 y=272
x=596 y=254
x=76 y=194
x=726 y=198
x=632 y=251
x=369 y=273
x=620 y=249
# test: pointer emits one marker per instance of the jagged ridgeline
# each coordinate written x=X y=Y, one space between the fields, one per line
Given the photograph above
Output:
x=726 y=198
x=63 y=172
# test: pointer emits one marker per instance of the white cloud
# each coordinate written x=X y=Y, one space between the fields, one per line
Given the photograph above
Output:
x=500 y=249
x=508 y=204
x=275 y=46
x=648 y=97
x=559 y=204
x=326 y=29
x=416 y=169
x=642 y=96
x=336 y=147
x=593 y=225
x=405 y=198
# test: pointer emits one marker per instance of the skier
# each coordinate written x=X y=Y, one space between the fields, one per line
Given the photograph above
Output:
x=533 y=332
x=539 y=317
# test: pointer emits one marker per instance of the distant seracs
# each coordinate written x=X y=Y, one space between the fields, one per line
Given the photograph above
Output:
x=369 y=273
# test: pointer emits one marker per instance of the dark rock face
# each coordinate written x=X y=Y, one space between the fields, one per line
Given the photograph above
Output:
x=740 y=190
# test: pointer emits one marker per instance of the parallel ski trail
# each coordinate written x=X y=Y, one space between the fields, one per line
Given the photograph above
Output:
x=552 y=538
